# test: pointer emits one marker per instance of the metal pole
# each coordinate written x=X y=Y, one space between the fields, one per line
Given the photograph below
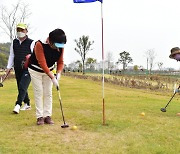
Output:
x=103 y=102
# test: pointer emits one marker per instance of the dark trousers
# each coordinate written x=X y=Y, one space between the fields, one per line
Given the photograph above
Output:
x=23 y=80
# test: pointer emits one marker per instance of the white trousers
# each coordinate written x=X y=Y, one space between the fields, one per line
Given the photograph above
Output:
x=42 y=87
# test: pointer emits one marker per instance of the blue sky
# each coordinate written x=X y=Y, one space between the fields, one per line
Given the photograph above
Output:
x=132 y=26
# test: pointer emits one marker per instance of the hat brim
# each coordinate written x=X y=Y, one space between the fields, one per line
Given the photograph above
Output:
x=22 y=27
x=172 y=54
x=59 y=45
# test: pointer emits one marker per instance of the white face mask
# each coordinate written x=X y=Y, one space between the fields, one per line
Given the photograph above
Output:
x=21 y=34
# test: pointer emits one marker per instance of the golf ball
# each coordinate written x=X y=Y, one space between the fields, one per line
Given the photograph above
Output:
x=178 y=114
x=142 y=114
x=74 y=127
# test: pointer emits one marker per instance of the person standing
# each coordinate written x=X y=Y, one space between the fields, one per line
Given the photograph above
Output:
x=175 y=54
x=19 y=49
x=43 y=59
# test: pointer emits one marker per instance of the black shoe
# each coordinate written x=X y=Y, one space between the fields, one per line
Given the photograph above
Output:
x=40 y=121
x=48 y=120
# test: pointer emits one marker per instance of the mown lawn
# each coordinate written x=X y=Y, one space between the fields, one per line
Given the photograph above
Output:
x=125 y=132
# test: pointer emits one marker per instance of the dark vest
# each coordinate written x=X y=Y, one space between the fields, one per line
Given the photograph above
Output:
x=20 y=51
x=51 y=56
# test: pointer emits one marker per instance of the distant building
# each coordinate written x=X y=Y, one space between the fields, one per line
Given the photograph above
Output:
x=99 y=66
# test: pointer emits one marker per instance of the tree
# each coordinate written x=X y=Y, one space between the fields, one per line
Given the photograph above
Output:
x=90 y=62
x=78 y=62
x=3 y=60
x=77 y=65
x=83 y=46
x=4 y=52
x=160 y=65
x=135 y=67
x=150 y=56
x=125 y=59
x=9 y=19
x=4 y=48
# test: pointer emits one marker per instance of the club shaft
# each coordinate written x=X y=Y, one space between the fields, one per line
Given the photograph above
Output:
x=6 y=76
x=171 y=98
x=61 y=106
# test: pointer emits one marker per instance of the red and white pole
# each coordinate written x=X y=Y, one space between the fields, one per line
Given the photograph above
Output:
x=103 y=102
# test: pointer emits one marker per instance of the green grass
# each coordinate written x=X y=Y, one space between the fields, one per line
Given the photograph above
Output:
x=125 y=132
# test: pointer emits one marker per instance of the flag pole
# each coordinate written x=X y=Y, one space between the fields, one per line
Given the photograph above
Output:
x=103 y=101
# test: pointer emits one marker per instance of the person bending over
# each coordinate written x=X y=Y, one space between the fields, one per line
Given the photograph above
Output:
x=42 y=63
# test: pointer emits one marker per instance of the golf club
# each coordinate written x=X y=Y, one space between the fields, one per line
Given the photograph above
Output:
x=164 y=109
x=6 y=75
x=65 y=125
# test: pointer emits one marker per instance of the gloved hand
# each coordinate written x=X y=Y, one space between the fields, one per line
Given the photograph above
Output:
x=177 y=91
x=55 y=82
x=58 y=76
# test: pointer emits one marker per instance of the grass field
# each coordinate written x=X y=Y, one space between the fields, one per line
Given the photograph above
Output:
x=125 y=132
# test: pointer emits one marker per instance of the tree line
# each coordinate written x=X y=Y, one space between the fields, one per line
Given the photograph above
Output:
x=4 y=52
x=20 y=12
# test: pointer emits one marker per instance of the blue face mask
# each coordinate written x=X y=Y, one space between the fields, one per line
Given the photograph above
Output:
x=177 y=57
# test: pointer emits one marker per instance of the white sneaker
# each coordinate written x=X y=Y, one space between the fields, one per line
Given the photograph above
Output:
x=25 y=107
x=16 y=109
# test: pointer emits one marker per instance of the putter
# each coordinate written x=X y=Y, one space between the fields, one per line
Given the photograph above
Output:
x=65 y=125
x=164 y=109
x=2 y=80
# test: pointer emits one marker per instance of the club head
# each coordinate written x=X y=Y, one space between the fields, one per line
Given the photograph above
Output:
x=163 y=109
x=65 y=126
x=1 y=85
